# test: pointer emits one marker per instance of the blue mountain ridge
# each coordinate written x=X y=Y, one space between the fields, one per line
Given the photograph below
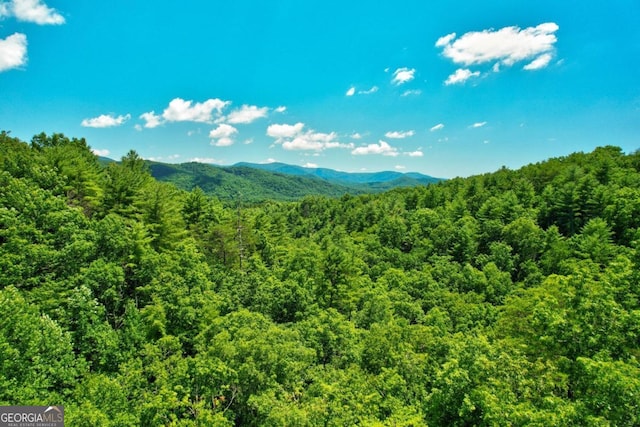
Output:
x=335 y=176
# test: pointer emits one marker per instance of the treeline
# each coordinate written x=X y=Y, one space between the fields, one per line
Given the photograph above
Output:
x=510 y=298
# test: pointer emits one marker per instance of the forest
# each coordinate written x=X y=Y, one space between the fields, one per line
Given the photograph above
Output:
x=254 y=183
x=504 y=299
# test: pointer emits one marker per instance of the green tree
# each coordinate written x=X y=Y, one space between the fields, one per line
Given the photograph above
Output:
x=123 y=183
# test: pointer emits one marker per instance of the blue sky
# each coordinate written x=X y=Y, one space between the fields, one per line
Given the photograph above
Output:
x=443 y=88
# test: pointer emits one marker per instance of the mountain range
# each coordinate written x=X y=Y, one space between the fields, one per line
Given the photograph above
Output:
x=278 y=181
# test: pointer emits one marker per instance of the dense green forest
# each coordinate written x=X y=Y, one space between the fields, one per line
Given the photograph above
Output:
x=506 y=299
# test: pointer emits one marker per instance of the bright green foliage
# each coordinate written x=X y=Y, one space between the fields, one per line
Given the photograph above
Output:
x=37 y=361
x=510 y=298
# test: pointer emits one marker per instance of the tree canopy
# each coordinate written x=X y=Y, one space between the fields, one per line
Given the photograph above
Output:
x=510 y=298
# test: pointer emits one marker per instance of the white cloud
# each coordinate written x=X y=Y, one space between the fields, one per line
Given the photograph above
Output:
x=310 y=165
x=439 y=126
x=445 y=40
x=506 y=46
x=247 y=114
x=302 y=143
x=356 y=136
x=270 y=160
x=152 y=120
x=400 y=167
x=399 y=135
x=34 y=11
x=460 y=76
x=223 y=142
x=105 y=121
x=403 y=75
x=411 y=92
x=312 y=141
x=180 y=110
x=101 y=153
x=174 y=156
x=13 y=51
x=381 y=148
x=352 y=91
x=416 y=153
x=284 y=131
x=373 y=89
x=281 y=109
x=538 y=63
x=293 y=137
x=203 y=160
x=222 y=135
x=478 y=125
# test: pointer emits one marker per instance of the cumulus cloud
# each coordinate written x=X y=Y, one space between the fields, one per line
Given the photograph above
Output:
x=284 y=131
x=101 y=153
x=416 y=153
x=460 y=76
x=105 y=121
x=356 y=135
x=399 y=134
x=180 y=110
x=294 y=137
x=222 y=135
x=439 y=126
x=351 y=91
x=314 y=141
x=478 y=125
x=310 y=165
x=246 y=114
x=505 y=46
x=540 y=62
x=34 y=11
x=281 y=109
x=445 y=40
x=403 y=75
x=13 y=51
x=151 y=119
x=400 y=167
x=382 y=147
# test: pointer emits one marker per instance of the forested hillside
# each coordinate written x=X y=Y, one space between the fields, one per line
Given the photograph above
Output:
x=510 y=298
x=277 y=182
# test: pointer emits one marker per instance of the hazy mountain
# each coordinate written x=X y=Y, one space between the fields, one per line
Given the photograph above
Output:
x=331 y=175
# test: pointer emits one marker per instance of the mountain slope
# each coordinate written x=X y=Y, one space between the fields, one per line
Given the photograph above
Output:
x=278 y=181
x=345 y=177
x=250 y=184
